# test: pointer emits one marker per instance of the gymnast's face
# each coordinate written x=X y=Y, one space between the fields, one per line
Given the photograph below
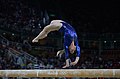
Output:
x=72 y=48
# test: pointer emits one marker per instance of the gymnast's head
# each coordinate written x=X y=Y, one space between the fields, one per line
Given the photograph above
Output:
x=72 y=48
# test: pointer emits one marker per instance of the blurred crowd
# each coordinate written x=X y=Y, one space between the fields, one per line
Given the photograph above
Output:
x=20 y=22
x=18 y=16
x=11 y=58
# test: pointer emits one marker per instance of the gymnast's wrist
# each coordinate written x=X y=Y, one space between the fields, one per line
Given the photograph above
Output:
x=77 y=59
x=67 y=62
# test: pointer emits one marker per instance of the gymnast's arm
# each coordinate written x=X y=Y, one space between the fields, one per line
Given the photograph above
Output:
x=77 y=57
x=66 y=57
x=78 y=54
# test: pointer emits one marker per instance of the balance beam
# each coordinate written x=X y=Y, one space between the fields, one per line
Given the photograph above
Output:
x=83 y=73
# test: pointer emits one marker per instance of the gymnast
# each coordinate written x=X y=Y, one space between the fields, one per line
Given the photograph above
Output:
x=70 y=40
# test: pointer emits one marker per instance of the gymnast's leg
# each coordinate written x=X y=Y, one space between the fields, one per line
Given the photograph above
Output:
x=53 y=26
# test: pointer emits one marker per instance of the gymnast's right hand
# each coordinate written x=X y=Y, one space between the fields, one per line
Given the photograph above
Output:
x=65 y=66
x=35 y=40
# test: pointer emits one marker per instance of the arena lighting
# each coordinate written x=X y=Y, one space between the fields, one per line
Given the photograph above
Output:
x=4 y=33
x=105 y=41
x=83 y=73
x=13 y=34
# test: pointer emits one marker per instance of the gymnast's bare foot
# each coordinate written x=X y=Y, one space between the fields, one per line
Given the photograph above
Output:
x=35 y=40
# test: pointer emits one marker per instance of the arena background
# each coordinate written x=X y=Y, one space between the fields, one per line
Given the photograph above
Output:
x=97 y=25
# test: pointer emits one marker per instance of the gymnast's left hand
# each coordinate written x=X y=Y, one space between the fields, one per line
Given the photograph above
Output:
x=73 y=63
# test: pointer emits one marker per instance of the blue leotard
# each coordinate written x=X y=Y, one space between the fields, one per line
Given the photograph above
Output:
x=69 y=36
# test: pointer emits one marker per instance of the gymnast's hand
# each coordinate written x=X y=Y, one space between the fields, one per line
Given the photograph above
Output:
x=35 y=40
x=67 y=63
x=65 y=66
x=73 y=63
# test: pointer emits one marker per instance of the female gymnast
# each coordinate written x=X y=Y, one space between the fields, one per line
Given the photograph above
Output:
x=70 y=39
